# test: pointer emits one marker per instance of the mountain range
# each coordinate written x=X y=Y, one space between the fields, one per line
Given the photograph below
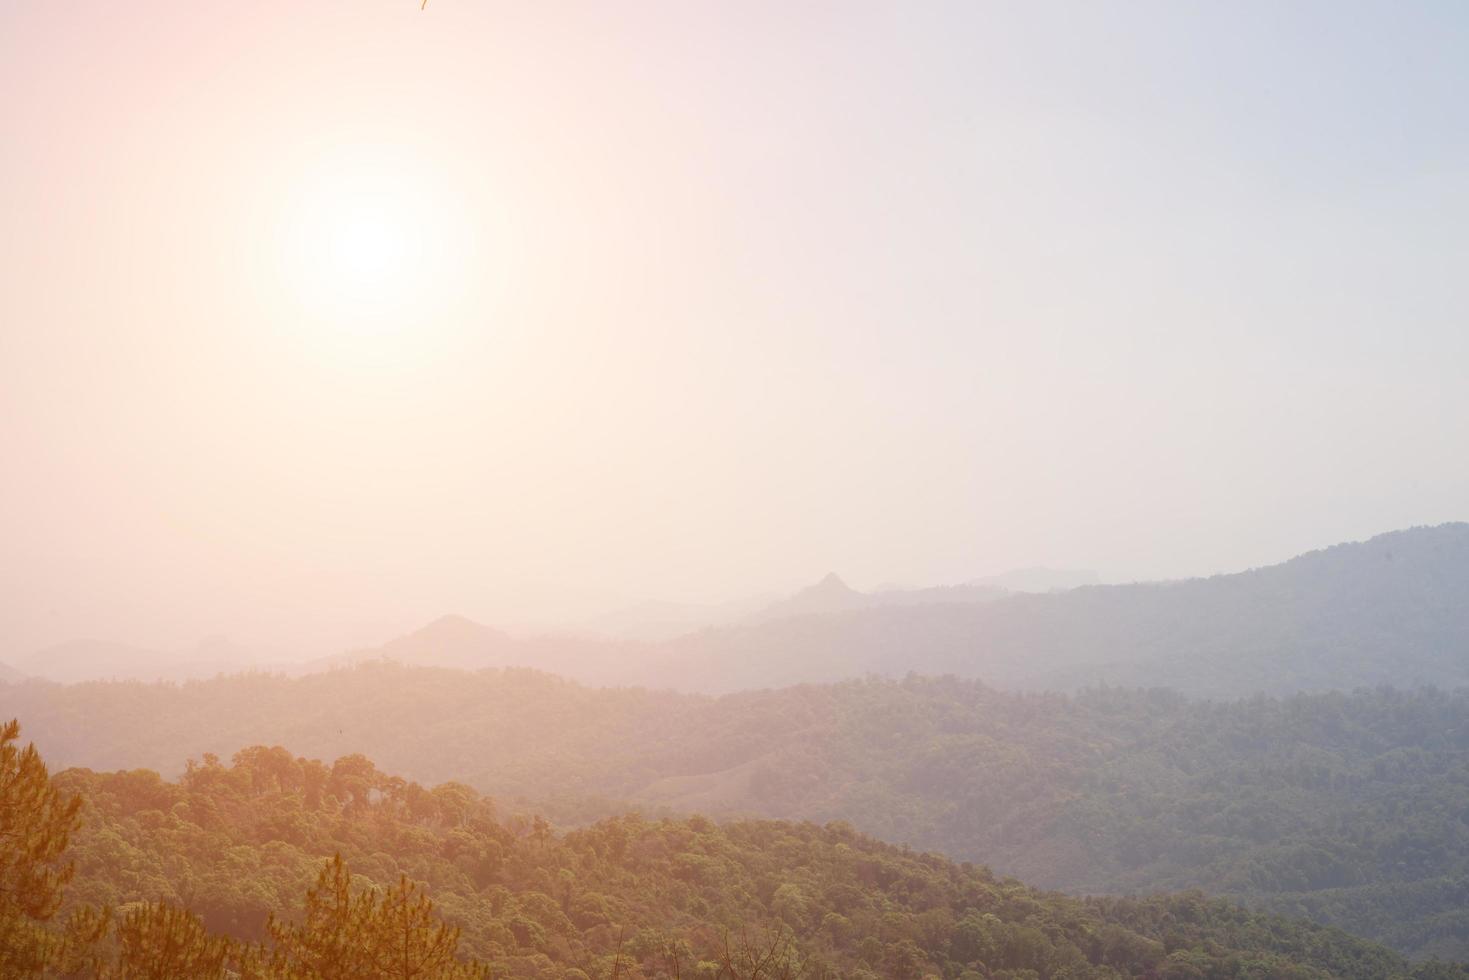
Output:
x=1390 y=610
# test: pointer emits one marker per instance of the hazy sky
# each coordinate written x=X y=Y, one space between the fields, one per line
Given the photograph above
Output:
x=319 y=319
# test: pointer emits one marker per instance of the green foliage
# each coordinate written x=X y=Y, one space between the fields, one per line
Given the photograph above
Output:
x=394 y=935
x=36 y=823
x=1348 y=809
x=629 y=897
x=157 y=941
x=366 y=936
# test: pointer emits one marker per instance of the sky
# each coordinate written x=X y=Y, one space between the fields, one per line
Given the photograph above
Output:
x=320 y=320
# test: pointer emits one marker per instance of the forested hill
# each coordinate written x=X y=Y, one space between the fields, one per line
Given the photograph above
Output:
x=637 y=899
x=1394 y=609
x=1351 y=809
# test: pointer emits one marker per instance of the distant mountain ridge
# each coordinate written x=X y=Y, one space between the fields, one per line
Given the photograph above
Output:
x=832 y=595
x=656 y=621
x=1391 y=610
x=459 y=642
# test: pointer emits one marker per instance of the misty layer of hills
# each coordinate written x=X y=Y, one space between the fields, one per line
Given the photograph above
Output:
x=1394 y=609
x=1391 y=610
x=581 y=647
x=1348 y=808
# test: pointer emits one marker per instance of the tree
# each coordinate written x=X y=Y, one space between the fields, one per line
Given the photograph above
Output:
x=80 y=950
x=364 y=936
x=329 y=943
x=408 y=942
x=772 y=955
x=161 y=942
x=36 y=823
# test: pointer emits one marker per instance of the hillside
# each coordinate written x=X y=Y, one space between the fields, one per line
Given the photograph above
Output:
x=1347 y=809
x=645 y=899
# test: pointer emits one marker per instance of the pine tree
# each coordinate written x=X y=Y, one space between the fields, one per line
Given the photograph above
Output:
x=362 y=936
x=80 y=952
x=36 y=823
x=162 y=942
x=330 y=942
x=408 y=941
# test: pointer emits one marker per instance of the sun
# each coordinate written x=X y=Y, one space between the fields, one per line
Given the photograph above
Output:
x=370 y=246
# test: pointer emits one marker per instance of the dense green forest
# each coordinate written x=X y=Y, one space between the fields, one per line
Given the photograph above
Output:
x=217 y=862
x=1348 y=809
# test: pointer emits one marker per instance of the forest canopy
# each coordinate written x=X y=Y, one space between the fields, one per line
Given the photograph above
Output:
x=1348 y=809
x=213 y=864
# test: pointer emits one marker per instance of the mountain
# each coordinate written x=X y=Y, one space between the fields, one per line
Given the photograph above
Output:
x=9 y=675
x=1348 y=809
x=831 y=595
x=458 y=642
x=1392 y=610
x=449 y=641
x=630 y=896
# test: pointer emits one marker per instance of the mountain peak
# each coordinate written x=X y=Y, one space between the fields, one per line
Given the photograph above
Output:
x=453 y=628
x=830 y=583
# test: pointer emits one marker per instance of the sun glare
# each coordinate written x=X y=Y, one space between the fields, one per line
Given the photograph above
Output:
x=370 y=249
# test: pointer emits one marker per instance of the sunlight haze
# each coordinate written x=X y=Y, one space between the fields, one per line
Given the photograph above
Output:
x=356 y=314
